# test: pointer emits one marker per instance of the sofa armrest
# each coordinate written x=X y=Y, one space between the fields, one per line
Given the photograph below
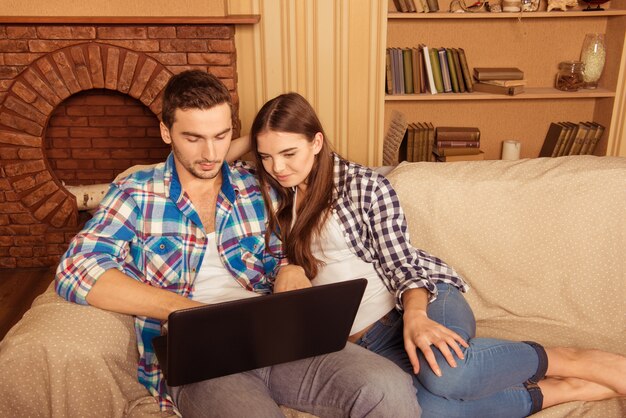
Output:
x=66 y=360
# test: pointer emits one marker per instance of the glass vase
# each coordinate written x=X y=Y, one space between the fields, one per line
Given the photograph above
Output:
x=593 y=55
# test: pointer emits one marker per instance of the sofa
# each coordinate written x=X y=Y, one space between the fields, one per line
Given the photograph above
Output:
x=541 y=242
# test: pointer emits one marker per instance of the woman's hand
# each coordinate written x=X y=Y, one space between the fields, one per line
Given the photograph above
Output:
x=291 y=277
x=422 y=332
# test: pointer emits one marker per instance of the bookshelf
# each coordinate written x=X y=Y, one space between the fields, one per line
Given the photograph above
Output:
x=533 y=41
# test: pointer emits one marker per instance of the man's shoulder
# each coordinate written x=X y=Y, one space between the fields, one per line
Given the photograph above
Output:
x=243 y=173
x=145 y=177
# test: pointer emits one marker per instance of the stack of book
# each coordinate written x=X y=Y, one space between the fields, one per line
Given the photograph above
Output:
x=416 y=6
x=424 y=69
x=567 y=138
x=419 y=141
x=453 y=143
x=495 y=80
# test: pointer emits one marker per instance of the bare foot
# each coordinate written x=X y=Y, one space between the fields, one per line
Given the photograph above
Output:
x=559 y=390
x=602 y=367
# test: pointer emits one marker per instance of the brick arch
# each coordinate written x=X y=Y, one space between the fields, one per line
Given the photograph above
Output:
x=39 y=89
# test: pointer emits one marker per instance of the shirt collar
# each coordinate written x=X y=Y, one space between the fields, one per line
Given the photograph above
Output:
x=173 y=188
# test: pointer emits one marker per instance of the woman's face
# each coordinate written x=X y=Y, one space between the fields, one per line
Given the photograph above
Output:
x=288 y=157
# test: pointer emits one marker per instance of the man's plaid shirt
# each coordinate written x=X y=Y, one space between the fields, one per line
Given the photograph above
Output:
x=147 y=228
x=374 y=223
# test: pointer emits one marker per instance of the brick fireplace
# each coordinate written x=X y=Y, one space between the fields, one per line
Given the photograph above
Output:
x=80 y=103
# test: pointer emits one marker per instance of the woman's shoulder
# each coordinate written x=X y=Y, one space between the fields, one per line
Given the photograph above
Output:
x=354 y=174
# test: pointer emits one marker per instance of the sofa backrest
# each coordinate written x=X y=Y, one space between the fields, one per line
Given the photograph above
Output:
x=541 y=241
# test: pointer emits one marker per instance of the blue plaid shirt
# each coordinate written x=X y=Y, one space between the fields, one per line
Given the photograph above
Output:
x=373 y=221
x=147 y=228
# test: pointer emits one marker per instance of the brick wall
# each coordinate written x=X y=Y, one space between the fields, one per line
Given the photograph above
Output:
x=96 y=134
x=79 y=104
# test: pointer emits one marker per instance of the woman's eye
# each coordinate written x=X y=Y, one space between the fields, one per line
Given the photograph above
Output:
x=264 y=158
x=289 y=155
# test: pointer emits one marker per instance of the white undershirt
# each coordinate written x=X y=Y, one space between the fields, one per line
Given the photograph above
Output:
x=215 y=284
x=342 y=265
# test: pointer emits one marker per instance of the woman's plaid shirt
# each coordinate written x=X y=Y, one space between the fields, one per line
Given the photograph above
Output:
x=376 y=230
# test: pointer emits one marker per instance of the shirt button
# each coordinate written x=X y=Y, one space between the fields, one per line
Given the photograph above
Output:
x=162 y=246
x=193 y=270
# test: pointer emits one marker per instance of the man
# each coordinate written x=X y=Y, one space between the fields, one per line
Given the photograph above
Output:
x=192 y=229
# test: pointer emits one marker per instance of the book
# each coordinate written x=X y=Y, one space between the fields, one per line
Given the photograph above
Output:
x=457 y=143
x=555 y=131
x=505 y=83
x=430 y=138
x=433 y=5
x=401 y=5
x=447 y=152
x=436 y=67
x=457 y=133
x=445 y=70
x=410 y=142
x=569 y=141
x=416 y=70
x=579 y=139
x=423 y=141
x=467 y=77
x=388 y=73
x=430 y=86
x=407 y=62
x=420 y=70
x=452 y=68
x=498 y=73
x=457 y=68
x=466 y=157
x=490 y=88
x=594 y=141
x=591 y=132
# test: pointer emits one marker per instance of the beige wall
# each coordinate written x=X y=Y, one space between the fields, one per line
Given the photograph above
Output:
x=331 y=52
x=113 y=7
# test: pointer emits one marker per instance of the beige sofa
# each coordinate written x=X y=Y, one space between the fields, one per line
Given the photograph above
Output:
x=540 y=241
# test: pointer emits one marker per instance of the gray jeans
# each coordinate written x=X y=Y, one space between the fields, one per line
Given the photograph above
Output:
x=353 y=382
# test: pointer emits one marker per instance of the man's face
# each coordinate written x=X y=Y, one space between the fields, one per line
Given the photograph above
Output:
x=200 y=140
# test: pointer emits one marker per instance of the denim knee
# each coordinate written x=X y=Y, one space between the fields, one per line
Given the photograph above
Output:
x=454 y=383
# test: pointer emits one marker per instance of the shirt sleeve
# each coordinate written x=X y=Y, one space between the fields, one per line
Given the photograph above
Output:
x=103 y=244
x=405 y=266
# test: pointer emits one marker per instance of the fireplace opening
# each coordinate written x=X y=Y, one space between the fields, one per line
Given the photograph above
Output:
x=94 y=135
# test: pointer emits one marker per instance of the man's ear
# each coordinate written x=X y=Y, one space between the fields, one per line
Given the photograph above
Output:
x=165 y=133
x=318 y=141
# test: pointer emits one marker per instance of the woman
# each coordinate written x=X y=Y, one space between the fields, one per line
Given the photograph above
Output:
x=340 y=221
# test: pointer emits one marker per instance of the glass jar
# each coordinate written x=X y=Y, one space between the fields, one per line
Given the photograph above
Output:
x=593 y=55
x=570 y=76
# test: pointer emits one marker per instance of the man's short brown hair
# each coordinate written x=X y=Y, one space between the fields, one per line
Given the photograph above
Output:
x=192 y=89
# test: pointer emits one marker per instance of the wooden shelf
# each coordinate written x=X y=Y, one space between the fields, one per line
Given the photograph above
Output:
x=530 y=93
x=520 y=15
x=130 y=20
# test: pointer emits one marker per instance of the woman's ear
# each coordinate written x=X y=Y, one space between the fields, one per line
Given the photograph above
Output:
x=318 y=141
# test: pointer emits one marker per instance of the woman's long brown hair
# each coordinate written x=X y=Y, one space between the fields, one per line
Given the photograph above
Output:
x=291 y=113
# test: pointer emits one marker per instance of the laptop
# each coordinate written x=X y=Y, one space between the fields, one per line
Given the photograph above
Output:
x=232 y=337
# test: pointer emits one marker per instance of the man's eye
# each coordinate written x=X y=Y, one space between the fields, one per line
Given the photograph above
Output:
x=191 y=139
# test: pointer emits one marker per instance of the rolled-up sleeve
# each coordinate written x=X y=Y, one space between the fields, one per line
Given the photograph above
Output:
x=103 y=244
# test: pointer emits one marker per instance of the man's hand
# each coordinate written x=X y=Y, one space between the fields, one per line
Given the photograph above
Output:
x=422 y=332
x=291 y=277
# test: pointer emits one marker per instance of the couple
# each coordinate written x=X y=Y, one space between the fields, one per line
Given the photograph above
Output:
x=195 y=230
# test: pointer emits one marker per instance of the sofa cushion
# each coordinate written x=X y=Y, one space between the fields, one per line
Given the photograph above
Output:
x=541 y=243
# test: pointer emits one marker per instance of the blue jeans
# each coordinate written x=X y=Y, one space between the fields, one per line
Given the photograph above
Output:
x=496 y=379
x=351 y=383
